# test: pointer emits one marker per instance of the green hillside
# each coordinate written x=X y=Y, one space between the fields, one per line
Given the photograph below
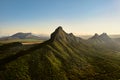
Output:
x=63 y=57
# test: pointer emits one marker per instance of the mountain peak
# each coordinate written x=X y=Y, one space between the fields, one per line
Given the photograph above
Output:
x=95 y=36
x=105 y=37
x=59 y=28
x=104 y=34
x=58 y=34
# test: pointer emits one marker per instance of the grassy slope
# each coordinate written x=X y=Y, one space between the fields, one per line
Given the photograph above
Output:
x=22 y=41
x=64 y=61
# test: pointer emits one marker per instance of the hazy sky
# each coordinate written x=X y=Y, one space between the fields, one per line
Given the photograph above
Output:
x=43 y=16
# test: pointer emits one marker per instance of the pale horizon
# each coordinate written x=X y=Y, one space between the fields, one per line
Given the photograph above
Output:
x=81 y=17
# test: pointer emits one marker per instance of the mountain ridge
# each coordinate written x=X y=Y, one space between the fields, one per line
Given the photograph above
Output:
x=62 y=57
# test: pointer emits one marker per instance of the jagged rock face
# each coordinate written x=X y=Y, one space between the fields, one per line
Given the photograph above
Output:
x=60 y=34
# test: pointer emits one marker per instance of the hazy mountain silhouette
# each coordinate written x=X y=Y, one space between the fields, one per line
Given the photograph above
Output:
x=96 y=36
x=64 y=57
x=103 y=37
x=21 y=35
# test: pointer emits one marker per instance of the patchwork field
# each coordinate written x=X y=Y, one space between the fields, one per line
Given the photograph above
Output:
x=23 y=41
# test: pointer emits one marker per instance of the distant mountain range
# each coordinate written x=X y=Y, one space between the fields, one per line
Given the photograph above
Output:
x=62 y=57
x=88 y=36
x=103 y=38
x=21 y=35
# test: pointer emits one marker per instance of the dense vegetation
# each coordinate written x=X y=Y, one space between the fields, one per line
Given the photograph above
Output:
x=63 y=57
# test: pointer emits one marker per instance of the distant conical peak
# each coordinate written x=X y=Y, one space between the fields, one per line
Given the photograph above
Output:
x=96 y=34
x=104 y=35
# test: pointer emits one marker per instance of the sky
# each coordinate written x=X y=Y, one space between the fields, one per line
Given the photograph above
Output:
x=81 y=17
